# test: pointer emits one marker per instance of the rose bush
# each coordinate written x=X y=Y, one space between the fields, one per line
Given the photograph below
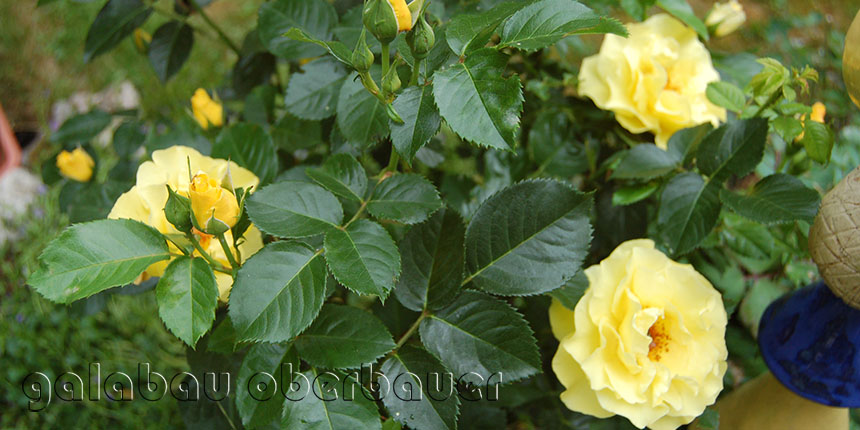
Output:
x=417 y=186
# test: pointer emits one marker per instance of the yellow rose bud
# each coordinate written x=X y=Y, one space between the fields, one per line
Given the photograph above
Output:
x=145 y=202
x=76 y=165
x=646 y=341
x=142 y=39
x=654 y=80
x=385 y=18
x=402 y=14
x=819 y=111
x=206 y=111
x=210 y=201
x=726 y=17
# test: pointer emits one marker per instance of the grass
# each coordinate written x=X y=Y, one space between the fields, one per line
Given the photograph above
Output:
x=41 y=58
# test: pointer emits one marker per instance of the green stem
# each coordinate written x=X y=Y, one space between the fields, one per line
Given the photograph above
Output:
x=392 y=161
x=215 y=265
x=167 y=13
x=357 y=214
x=773 y=98
x=226 y=247
x=416 y=70
x=385 y=59
x=217 y=29
x=410 y=332
x=181 y=248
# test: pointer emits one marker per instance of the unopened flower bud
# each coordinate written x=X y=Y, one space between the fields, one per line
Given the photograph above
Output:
x=177 y=210
x=385 y=18
x=362 y=56
x=725 y=18
x=421 y=38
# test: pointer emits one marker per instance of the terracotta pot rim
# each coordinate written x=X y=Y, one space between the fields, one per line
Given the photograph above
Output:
x=10 y=151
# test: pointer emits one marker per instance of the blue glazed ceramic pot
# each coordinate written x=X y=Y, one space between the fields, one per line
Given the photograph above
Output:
x=810 y=340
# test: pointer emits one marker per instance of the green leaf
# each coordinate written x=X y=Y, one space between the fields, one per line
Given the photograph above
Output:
x=734 y=148
x=468 y=32
x=572 y=291
x=421 y=120
x=483 y=335
x=553 y=146
x=408 y=198
x=187 y=296
x=294 y=209
x=646 y=161
x=788 y=128
x=689 y=208
x=116 y=20
x=127 y=138
x=727 y=95
x=342 y=175
x=361 y=116
x=315 y=17
x=82 y=128
x=433 y=259
x=277 y=293
x=169 y=49
x=684 y=143
x=250 y=147
x=363 y=258
x=778 y=198
x=541 y=24
x=259 y=408
x=682 y=10
x=323 y=406
x=477 y=102
x=291 y=133
x=89 y=258
x=344 y=337
x=709 y=420
x=336 y=49
x=637 y=8
x=313 y=94
x=634 y=193
x=529 y=238
x=817 y=140
x=420 y=411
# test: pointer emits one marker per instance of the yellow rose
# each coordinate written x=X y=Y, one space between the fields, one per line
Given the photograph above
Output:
x=206 y=111
x=726 y=17
x=654 y=80
x=646 y=341
x=145 y=202
x=76 y=165
x=210 y=201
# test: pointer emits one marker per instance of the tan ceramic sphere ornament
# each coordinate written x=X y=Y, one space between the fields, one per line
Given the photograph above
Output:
x=834 y=239
x=851 y=61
